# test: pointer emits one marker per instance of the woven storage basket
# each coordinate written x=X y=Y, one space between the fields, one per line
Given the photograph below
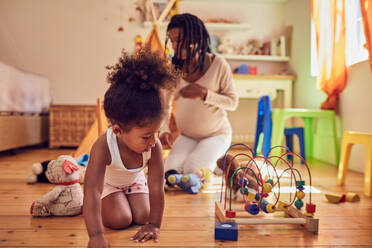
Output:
x=68 y=124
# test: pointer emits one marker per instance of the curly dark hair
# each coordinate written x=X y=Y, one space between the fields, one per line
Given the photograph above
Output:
x=133 y=98
x=194 y=32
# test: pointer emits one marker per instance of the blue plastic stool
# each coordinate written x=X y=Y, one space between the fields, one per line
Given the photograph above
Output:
x=299 y=131
x=262 y=142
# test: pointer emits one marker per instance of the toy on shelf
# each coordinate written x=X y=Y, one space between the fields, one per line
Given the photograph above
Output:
x=278 y=187
x=138 y=44
x=338 y=198
x=192 y=182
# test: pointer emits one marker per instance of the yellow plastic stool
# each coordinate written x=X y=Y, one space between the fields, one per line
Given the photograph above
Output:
x=348 y=140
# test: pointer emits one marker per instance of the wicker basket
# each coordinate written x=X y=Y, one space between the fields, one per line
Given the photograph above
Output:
x=68 y=124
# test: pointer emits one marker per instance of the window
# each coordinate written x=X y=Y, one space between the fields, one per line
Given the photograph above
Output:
x=355 y=39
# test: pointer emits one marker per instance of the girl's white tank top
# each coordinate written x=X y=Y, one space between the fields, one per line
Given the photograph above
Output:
x=117 y=174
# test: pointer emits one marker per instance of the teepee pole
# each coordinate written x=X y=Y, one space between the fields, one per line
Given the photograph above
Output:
x=166 y=11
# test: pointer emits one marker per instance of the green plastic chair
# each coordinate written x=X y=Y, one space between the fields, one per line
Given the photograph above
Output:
x=308 y=115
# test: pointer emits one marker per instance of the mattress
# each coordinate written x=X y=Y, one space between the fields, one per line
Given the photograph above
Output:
x=22 y=91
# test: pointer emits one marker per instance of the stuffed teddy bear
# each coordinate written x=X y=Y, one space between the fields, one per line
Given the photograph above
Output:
x=38 y=170
x=249 y=179
x=66 y=198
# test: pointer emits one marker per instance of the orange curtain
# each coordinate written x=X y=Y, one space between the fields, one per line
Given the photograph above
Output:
x=329 y=21
x=366 y=8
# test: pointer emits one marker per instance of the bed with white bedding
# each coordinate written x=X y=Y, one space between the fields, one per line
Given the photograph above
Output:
x=24 y=105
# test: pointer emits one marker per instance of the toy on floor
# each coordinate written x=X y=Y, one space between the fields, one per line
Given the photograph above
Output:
x=274 y=175
x=192 y=182
x=65 y=199
x=38 y=175
x=338 y=198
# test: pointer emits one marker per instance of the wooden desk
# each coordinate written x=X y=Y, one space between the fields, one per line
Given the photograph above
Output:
x=254 y=86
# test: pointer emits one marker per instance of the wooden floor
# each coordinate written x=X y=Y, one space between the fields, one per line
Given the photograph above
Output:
x=188 y=219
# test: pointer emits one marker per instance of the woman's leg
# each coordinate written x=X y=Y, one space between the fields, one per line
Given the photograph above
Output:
x=206 y=153
x=177 y=156
x=140 y=205
x=116 y=211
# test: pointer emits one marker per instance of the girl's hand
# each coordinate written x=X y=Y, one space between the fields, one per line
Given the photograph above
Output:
x=98 y=241
x=147 y=232
x=166 y=140
x=194 y=91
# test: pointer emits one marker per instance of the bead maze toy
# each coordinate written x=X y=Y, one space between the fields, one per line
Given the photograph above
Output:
x=266 y=203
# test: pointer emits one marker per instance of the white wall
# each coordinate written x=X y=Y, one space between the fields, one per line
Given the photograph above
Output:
x=68 y=41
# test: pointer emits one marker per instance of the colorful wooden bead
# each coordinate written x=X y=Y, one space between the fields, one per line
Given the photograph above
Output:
x=300 y=194
x=299 y=204
x=270 y=208
x=262 y=202
x=253 y=209
x=267 y=187
x=310 y=208
x=251 y=196
x=283 y=206
x=263 y=206
x=257 y=197
x=300 y=183
x=309 y=215
x=270 y=181
x=244 y=181
x=230 y=213
x=245 y=190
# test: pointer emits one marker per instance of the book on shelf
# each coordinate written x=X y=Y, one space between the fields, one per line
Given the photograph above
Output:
x=278 y=46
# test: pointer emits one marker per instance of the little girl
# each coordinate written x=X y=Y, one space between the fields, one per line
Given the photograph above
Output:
x=116 y=190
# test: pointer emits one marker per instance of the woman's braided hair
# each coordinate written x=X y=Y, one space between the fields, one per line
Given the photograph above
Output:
x=194 y=33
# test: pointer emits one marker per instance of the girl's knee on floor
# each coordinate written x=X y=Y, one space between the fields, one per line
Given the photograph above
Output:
x=117 y=220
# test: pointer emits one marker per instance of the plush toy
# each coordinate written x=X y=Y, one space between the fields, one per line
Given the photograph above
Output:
x=192 y=182
x=66 y=198
x=226 y=46
x=37 y=174
x=249 y=179
x=254 y=47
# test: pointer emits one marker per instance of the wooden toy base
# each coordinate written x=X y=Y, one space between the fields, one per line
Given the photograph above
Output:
x=293 y=215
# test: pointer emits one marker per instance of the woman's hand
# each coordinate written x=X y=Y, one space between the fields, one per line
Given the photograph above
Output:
x=98 y=241
x=147 y=232
x=194 y=91
x=166 y=140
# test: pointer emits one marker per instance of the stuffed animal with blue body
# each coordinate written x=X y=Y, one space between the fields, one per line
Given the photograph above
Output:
x=192 y=182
